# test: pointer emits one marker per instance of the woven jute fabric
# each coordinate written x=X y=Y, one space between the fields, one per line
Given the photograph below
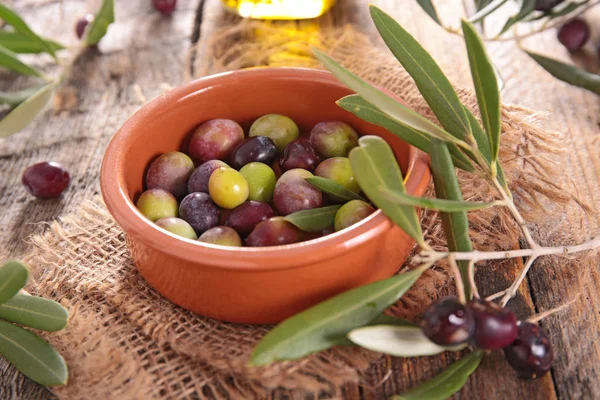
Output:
x=125 y=341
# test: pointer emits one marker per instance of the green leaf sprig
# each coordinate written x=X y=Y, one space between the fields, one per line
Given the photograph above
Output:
x=27 y=104
x=29 y=353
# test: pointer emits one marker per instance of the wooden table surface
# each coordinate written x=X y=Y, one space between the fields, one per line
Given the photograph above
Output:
x=144 y=51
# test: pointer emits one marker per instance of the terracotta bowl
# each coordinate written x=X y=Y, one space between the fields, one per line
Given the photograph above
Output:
x=249 y=285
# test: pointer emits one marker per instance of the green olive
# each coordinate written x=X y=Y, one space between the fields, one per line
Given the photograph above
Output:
x=227 y=187
x=261 y=181
x=156 y=204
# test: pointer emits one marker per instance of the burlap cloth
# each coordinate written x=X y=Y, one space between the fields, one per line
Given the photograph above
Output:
x=125 y=341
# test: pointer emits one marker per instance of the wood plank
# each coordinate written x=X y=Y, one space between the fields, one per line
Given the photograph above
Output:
x=143 y=50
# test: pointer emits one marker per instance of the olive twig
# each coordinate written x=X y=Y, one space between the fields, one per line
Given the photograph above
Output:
x=538 y=317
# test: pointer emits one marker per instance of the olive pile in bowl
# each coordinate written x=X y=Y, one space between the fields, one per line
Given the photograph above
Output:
x=231 y=189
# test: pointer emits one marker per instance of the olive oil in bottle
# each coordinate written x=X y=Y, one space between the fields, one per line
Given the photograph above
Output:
x=279 y=9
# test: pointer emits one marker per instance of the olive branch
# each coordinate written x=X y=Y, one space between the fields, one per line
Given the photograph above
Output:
x=460 y=142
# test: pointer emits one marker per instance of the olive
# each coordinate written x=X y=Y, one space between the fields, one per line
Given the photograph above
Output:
x=333 y=139
x=170 y=172
x=574 y=34
x=274 y=232
x=221 y=235
x=198 y=181
x=351 y=213
x=531 y=353
x=495 y=327
x=46 y=179
x=448 y=322
x=254 y=149
x=292 y=192
x=156 y=204
x=177 y=226
x=246 y=216
x=198 y=210
x=261 y=181
x=279 y=128
x=299 y=154
x=214 y=140
x=339 y=170
x=227 y=187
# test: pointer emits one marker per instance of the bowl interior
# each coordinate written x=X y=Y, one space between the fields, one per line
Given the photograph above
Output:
x=306 y=96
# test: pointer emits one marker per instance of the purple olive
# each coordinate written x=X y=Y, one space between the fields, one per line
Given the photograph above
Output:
x=292 y=193
x=495 y=327
x=274 y=232
x=574 y=34
x=198 y=210
x=214 y=140
x=299 y=154
x=170 y=172
x=246 y=216
x=198 y=181
x=448 y=322
x=221 y=235
x=46 y=179
x=254 y=149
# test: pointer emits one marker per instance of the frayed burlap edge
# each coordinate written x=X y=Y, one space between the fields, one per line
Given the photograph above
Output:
x=125 y=341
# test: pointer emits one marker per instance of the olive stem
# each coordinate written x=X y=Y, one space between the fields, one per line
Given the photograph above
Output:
x=512 y=290
x=471 y=269
x=495 y=296
x=476 y=256
x=538 y=317
x=460 y=287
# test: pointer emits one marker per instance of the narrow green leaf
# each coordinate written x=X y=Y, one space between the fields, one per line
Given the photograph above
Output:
x=35 y=312
x=31 y=355
x=568 y=73
x=487 y=10
x=102 y=20
x=567 y=9
x=20 y=43
x=431 y=81
x=527 y=7
x=398 y=341
x=385 y=103
x=358 y=106
x=429 y=8
x=313 y=220
x=9 y=60
x=321 y=326
x=434 y=203
x=13 y=277
x=335 y=191
x=479 y=4
x=481 y=138
x=27 y=111
x=374 y=166
x=12 y=18
x=486 y=86
x=444 y=385
x=13 y=99
x=456 y=224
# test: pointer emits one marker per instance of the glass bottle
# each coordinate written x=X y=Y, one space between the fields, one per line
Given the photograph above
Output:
x=279 y=9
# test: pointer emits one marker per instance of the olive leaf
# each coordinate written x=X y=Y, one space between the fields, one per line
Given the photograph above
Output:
x=568 y=73
x=102 y=20
x=435 y=88
x=31 y=355
x=314 y=220
x=435 y=203
x=336 y=191
x=384 y=102
x=12 y=18
x=486 y=87
x=364 y=110
x=13 y=99
x=487 y=10
x=322 y=326
x=9 y=60
x=429 y=8
x=374 y=166
x=27 y=111
x=444 y=385
x=20 y=43
x=456 y=224
x=395 y=340
x=13 y=277
x=527 y=7
x=479 y=4
x=35 y=312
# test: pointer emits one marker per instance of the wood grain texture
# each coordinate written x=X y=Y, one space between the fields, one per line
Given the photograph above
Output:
x=144 y=50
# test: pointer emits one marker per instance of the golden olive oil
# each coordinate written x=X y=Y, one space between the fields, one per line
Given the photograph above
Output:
x=279 y=9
